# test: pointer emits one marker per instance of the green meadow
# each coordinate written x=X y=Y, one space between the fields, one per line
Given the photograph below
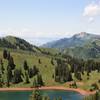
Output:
x=46 y=69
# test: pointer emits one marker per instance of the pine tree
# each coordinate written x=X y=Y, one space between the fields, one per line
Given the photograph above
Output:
x=78 y=75
x=35 y=83
x=39 y=61
x=17 y=76
x=11 y=63
x=9 y=76
x=40 y=80
x=8 y=55
x=25 y=65
x=27 y=78
x=1 y=85
x=2 y=67
x=5 y=54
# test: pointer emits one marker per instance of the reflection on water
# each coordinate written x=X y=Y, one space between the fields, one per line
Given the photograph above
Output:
x=24 y=95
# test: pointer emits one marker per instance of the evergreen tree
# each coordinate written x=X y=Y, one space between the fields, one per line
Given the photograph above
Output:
x=39 y=61
x=30 y=72
x=9 y=74
x=5 y=54
x=33 y=71
x=17 y=76
x=27 y=78
x=8 y=55
x=2 y=67
x=78 y=75
x=40 y=80
x=26 y=67
x=1 y=82
x=35 y=83
x=11 y=63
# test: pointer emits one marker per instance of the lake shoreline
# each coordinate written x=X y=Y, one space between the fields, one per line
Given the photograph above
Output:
x=82 y=92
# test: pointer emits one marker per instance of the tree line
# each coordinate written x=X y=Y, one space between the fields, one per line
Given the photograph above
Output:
x=69 y=65
x=15 y=75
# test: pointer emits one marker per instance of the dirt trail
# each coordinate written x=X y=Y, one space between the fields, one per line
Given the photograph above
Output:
x=83 y=92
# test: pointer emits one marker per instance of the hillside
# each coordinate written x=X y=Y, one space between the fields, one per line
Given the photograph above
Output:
x=82 y=45
x=90 y=50
x=79 y=39
x=45 y=68
x=46 y=65
x=17 y=43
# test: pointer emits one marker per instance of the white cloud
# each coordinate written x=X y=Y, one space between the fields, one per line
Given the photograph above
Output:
x=92 y=9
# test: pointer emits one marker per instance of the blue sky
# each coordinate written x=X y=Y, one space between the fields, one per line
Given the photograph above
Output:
x=40 y=21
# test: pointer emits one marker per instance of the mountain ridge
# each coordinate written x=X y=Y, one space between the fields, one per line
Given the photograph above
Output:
x=79 y=39
x=14 y=42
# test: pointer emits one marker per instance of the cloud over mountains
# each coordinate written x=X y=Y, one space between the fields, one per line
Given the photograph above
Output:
x=92 y=10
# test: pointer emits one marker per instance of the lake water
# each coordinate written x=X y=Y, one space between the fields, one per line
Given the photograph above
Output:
x=24 y=95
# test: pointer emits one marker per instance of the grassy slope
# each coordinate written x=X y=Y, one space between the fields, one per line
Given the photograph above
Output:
x=88 y=51
x=94 y=77
x=46 y=69
x=88 y=80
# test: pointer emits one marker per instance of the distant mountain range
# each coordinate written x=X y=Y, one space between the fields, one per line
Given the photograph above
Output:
x=82 y=45
x=76 y=40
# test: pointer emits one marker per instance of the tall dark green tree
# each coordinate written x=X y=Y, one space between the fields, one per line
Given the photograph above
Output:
x=17 y=78
x=27 y=78
x=9 y=75
x=35 y=84
x=78 y=75
x=40 y=80
x=26 y=67
x=2 y=67
x=11 y=63
x=33 y=71
x=8 y=55
x=5 y=54
x=1 y=84
x=39 y=61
